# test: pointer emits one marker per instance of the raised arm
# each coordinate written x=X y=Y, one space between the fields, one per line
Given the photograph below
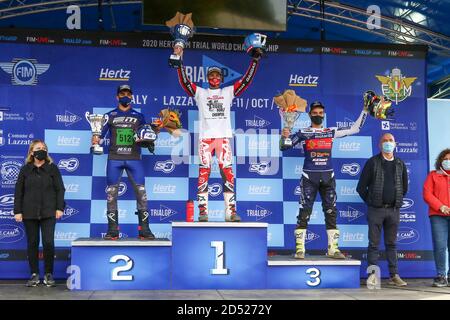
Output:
x=244 y=82
x=355 y=128
x=186 y=84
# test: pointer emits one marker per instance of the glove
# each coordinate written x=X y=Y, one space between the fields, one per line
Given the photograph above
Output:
x=151 y=147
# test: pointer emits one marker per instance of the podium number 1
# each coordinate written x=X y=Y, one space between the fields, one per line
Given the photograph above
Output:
x=220 y=258
x=127 y=267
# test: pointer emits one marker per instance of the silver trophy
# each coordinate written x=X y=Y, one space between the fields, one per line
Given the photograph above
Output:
x=290 y=106
x=289 y=118
x=181 y=28
x=96 y=121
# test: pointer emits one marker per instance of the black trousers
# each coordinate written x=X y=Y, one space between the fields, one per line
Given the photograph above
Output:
x=47 y=228
x=311 y=183
x=387 y=219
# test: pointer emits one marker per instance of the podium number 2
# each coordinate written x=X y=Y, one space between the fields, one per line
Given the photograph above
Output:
x=127 y=267
x=220 y=258
x=314 y=274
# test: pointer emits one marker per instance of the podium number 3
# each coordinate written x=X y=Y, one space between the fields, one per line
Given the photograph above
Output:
x=314 y=274
x=220 y=258
x=127 y=267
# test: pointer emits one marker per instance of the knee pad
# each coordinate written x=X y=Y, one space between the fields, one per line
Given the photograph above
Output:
x=227 y=178
x=141 y=197
x=203 y=178
x=303 y=217
x=112 y=193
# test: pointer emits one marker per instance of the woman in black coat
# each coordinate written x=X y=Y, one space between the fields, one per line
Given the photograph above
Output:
x=38 y=202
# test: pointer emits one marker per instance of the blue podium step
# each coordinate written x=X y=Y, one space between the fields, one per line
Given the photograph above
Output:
x=208 y=255
x=314 y=272
x=219 y=255
x=125 y=264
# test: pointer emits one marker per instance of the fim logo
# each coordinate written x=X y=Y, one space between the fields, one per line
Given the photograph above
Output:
x=165 y=166
x=70 y=165
x=260 y=168
x=351 y=168
x=395 y=86
x=24 y=72
x=69 y=212
x=259 y=213
x=215 y=189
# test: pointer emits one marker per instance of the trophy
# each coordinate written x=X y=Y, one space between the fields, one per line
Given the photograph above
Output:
x=96 y=121
x=379 y=107
x=181 y=28
x=289 y=106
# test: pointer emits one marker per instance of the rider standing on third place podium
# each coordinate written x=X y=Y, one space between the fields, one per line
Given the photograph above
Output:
x=318 y=175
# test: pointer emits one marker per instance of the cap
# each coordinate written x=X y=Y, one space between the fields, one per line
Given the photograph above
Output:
x=214 y=69
x=316 y=104
x=124 y=87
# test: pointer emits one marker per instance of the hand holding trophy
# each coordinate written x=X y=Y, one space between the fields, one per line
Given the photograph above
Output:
x=96 y=121
x=378 y=107
x=182 y=28
x=289 y=106
x=169 y=119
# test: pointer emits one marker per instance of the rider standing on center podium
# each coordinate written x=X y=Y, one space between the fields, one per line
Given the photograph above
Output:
x=215 y=130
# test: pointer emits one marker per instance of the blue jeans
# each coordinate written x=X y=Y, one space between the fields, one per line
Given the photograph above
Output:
x=441 y=241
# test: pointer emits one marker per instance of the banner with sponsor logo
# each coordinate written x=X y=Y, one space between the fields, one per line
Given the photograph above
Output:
x=50 y=80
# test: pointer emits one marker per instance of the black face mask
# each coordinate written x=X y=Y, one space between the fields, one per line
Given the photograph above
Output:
x=40 y=154
x=317 y=120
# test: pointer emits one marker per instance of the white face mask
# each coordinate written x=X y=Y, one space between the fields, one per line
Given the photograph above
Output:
x=446 y=164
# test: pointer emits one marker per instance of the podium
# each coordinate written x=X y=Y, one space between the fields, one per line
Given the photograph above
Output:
x=315 y=272
x=203 y=255
x=126 y=264
x=219 y=255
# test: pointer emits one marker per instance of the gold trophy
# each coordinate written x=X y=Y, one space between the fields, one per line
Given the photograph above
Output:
x=290 y=105
x=182 y=28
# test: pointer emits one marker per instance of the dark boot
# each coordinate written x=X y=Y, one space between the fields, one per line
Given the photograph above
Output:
x=144 y=230
x=113 y=226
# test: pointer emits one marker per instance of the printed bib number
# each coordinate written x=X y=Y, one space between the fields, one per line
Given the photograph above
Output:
x=124 y=137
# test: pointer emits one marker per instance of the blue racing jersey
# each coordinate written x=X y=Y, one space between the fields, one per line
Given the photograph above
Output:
x=121 y=127
x=318 y=143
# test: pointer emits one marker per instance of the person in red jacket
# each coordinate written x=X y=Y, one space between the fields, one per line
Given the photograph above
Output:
x=436 y=193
